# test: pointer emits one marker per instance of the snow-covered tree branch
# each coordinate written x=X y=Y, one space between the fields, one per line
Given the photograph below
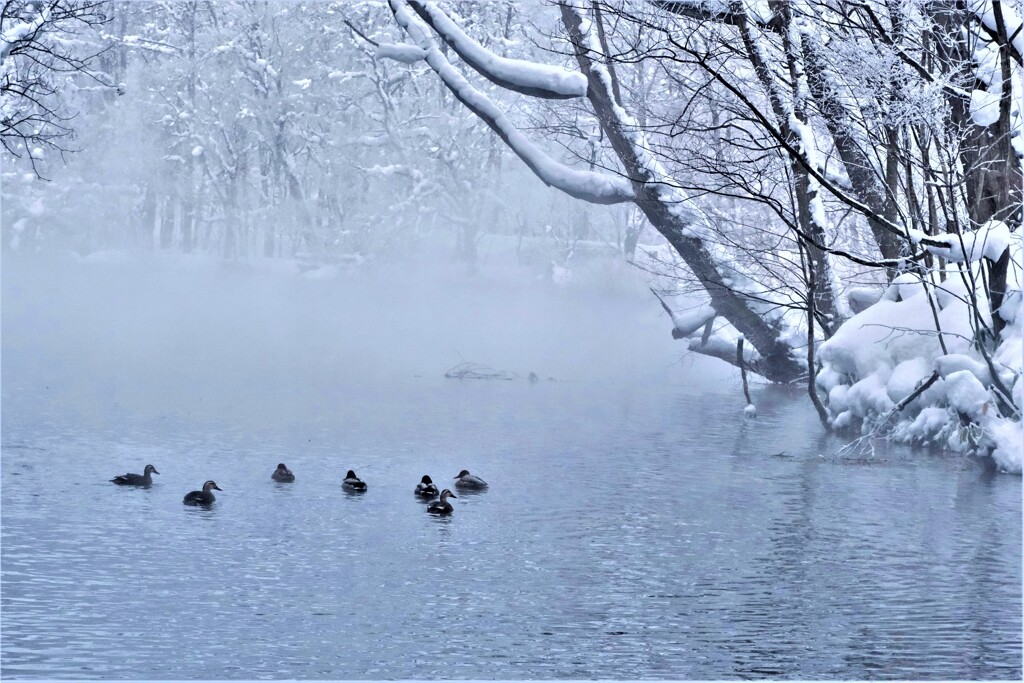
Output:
x=599 y=188
x=38 y=51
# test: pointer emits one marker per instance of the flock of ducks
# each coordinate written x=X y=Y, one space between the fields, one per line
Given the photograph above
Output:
x=425 y=489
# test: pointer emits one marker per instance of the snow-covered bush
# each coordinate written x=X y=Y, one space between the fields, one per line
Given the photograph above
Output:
x=922 y=333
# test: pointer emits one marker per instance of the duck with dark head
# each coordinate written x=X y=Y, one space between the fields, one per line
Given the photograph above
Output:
x=353 y=483
x=204 y=497
x=282 y=474
x=442 y=506
x=465 y=480
x=426 y=487
x=132 y=479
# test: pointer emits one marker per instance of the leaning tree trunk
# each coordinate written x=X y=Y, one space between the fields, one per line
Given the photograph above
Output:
x=647 y=186
x=776 y=363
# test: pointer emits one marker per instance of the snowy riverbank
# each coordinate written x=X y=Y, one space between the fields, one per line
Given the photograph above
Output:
x=911 y=363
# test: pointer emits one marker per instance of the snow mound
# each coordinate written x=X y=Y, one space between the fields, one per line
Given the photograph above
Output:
x=929 y=424
x=919 y=340
x=967 y=395
x=984 y=107
x=956 y=362
x=1008 y=438
x=891 y=332
x=107 y=256
x=907 y=376
x=327 y=272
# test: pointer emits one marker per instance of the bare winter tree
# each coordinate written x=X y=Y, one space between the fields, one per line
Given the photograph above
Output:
x=38 y=49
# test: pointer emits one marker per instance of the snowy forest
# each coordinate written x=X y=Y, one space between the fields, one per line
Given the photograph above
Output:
x=822 y=193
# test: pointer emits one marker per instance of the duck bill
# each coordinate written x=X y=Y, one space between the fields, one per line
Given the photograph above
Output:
x=156 y=471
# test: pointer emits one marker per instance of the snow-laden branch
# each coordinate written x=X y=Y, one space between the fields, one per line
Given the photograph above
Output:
x=407 y=54
x=597 y=188
x=985 y=11
x=725 y=12
x=528 y=78
x=22 y=31
x=142 y=43
x=686 y=324
x=394 y=170
x=989 y=241
x=718 y=346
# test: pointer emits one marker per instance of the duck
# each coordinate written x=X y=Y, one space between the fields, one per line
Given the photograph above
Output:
x=442 y=506
x=282 y=474
x=353 y=483
x=465 y=480
x=204 y=497
x=426 y=487
x=132 y=479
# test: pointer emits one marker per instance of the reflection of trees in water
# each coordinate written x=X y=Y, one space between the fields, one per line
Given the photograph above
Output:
x=849 y=579
x=776 y=621
x=986 y=570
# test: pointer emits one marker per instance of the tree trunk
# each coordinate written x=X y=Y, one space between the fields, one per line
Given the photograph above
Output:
x=859 y=169
x=776 y=362
x=166 y=224
x=992 y=178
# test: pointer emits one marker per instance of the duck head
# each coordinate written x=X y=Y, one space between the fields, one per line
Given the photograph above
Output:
x=461 y=474
x=150 y=468
x=211 y=484
x=281 y=467
x=447 y=494
x=426 y=479
x=351 y=475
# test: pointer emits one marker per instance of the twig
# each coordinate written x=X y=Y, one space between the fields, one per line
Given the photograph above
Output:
x=914 y=394
x=361 y=34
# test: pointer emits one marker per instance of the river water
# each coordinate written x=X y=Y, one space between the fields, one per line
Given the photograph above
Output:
x=636 y=526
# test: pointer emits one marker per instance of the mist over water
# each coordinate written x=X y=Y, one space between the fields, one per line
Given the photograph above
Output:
x=181 y=331
x=636 y=524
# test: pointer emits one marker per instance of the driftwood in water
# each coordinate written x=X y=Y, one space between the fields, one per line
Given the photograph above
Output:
x=478 y=371
x=750 y=410
x=743 y=369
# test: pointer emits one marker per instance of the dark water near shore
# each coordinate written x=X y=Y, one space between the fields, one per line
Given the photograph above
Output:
x=636 y=525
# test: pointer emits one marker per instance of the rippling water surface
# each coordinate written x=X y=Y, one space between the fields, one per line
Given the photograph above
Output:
x=636 y=527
